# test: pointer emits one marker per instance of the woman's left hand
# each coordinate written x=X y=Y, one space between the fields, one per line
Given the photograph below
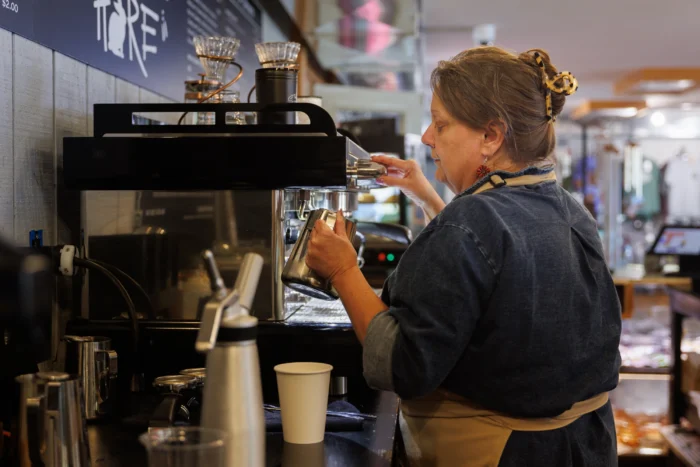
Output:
x=330 y=253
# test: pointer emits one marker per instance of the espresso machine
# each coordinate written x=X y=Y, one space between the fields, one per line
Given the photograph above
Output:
x=269 y=170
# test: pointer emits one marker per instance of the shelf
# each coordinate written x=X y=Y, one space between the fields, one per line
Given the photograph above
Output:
x=626 y=451
x=627 y=372
x=683 y=282
x=124 y=155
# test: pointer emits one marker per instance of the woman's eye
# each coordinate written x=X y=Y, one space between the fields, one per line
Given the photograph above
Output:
x=439 y=127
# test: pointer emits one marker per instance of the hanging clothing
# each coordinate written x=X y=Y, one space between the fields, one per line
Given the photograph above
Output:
x=651 y=190
x=648 y=204
x=683 y=179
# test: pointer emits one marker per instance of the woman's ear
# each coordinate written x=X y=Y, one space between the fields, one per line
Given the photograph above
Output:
x=494 y=136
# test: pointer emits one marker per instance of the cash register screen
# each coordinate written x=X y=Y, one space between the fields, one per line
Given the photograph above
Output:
x=683 y=241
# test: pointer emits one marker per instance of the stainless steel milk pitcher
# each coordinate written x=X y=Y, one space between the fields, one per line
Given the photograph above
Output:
x=51 y=428
x=296 y=274
x=95 y=363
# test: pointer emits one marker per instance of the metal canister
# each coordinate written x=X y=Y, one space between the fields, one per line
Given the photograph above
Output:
x=276 y=86
x=95 y=363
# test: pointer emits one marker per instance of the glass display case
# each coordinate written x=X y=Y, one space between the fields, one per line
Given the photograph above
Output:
x=626 y=173
x=641 y=400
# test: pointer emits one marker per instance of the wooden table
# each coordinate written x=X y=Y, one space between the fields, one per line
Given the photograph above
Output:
x=625 y=288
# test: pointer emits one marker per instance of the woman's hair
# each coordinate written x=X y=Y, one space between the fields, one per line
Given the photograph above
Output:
x=488 y=84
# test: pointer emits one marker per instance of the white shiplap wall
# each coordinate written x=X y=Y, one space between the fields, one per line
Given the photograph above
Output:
x=33 y=135
x=7 y=163
x=45 y=96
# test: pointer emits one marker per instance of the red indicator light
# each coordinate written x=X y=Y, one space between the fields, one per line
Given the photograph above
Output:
x=382 y=257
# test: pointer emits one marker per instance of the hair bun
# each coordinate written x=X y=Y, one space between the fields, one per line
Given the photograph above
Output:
x=560 y=84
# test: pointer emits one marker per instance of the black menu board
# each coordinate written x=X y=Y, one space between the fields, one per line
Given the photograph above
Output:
x=146 y=42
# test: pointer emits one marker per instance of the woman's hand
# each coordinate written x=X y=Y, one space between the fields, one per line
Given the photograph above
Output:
x=408 y=177
x=330 y=253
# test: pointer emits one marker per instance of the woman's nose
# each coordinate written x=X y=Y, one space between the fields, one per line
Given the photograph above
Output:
x=427 y=137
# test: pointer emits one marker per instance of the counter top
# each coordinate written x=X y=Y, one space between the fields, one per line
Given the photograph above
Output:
x=674 y=281
x=684 y=445
x=112 y=444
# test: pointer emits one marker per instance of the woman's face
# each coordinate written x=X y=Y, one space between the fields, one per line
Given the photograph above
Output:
x=457 y=149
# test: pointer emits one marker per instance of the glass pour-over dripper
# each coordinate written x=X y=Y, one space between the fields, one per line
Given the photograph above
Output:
x=216 y=54
x=278 y=54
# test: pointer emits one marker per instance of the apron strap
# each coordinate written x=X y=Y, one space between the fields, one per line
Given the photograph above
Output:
x=496 y=181
x=444 y=404
x=445 y=430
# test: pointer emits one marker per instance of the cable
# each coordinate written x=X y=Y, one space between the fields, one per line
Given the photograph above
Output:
x=124 y=276
x=214 y=93
x=91 y=265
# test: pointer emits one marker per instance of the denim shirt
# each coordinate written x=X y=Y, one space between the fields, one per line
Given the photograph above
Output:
x=505 y=298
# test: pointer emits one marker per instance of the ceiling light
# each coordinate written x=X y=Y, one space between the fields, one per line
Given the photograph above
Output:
x=668 y=86
x=484 y=34
x=657 y=119
x=658 y=81
x=591 y=110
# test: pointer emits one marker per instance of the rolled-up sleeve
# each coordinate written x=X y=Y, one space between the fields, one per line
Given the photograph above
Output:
x=437 y=295
x=378 y=349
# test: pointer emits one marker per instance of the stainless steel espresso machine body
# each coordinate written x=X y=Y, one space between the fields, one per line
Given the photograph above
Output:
x=278 y=174
x=270 y=168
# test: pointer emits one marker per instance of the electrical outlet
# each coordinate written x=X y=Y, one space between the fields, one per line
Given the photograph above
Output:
x=36 y=238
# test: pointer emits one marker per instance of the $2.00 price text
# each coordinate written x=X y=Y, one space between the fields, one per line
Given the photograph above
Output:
x=12 y=6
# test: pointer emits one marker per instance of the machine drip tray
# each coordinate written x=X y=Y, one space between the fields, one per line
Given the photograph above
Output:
x=317 y=311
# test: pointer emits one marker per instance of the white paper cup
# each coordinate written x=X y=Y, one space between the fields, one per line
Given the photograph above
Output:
x=303 y=392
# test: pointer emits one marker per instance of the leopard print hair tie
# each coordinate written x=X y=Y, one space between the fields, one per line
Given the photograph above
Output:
x=561 y=83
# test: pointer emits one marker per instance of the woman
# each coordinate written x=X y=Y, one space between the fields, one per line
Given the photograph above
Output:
x=499 y=328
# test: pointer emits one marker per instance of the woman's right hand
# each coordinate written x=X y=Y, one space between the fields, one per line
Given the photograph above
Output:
x=409 y=178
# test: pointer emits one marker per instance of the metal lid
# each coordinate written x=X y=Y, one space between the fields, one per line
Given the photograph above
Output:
x=174 y=383
x=203 y=80
x=202 y=85
x=85 y=338
x=199 y=373
x=240 y=321
x=53 y=375
x=276 y=73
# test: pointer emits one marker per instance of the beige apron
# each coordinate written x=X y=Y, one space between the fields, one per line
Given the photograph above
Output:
x=445 y=430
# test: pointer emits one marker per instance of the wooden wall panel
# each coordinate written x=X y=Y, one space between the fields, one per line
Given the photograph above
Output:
x=34 y=156
x=70 y=114
x=7 y=196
